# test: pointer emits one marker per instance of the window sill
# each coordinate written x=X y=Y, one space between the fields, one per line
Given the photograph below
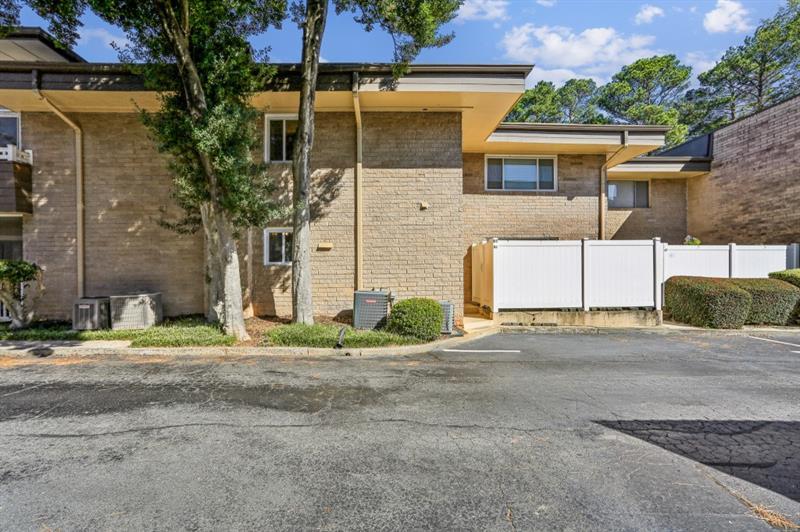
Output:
x=277 y=264
x=629 y=208
x=506 y=191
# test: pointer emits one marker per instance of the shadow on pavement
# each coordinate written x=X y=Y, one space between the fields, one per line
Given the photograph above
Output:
x=766 y=453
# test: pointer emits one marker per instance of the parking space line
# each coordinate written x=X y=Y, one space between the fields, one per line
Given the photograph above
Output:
x=774 y=341
x=484 y=350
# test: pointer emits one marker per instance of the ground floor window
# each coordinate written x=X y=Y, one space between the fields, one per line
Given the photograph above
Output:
x=628 y=194
x=277 y=245
x=9 y=128
x=520 y=173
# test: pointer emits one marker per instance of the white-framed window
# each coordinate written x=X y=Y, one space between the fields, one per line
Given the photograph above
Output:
x=628 y=194
x=277 y=245
x=10 y=128
x=280 y=132
x=526 y=173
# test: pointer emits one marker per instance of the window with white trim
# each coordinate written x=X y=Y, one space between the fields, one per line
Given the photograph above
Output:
x=521 y=173
x=9 y=128
x=280 y=134
x=277 y=245
x=628 y=194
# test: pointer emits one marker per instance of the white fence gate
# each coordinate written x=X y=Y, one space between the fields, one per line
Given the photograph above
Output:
x=551 y=274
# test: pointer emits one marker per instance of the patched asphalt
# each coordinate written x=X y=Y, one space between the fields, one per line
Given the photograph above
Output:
x=612 y=431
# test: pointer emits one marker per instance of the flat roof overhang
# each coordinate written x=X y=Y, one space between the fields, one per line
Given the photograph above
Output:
x=527 y=138
x=483 y=94
x=661 y=167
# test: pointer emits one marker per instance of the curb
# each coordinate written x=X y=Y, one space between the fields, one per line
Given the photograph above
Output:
x=661 y=330
x=47 y=349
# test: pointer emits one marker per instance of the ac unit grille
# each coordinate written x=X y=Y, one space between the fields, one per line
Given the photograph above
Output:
x=137 y=311
x=370 y=308
x=448 y=322
x=90 y=313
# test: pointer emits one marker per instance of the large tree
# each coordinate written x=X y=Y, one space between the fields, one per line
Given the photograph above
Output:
x=648 y=92
x=572 y=103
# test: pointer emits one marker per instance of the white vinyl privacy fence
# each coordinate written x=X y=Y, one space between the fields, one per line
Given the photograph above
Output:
x=588 y=274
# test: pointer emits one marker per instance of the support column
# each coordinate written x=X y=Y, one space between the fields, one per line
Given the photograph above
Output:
x=358 y=281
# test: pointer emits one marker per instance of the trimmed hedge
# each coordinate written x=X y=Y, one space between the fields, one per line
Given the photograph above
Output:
x=774 y=302
x=418 y=317
x=707 y=302
x=790 y=276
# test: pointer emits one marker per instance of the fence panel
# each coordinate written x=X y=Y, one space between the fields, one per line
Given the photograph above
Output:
x=620 y=273
x=759 y=261
x=702 y=261
x=537 y=274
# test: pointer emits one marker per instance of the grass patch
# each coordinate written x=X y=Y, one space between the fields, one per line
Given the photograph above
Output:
x=322 y=335
x=177 y=332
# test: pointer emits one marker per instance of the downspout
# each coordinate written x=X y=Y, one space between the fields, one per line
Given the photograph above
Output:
x=601 y=196
x=79 y=204
x=359 y=190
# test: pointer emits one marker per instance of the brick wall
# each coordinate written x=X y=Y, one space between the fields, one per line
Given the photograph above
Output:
x=751 y=194
x=665 y=218
x=126 y=186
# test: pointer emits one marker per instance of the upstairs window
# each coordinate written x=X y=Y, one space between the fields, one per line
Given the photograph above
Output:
x=277 y=246
x=521 y=173
x=9 y=128
x=281 y=131
x=628 y=194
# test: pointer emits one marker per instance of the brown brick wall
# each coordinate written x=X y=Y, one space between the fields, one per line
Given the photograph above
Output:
x=751 y=194
x=665 y=218
x=126 y=185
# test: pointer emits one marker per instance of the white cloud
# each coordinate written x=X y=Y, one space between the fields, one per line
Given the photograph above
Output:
x=91 y=35
x=556 y=75
x=647 y=13
x=483 y=10
x=728 y=15
x=546 y=3
x=701 y=61
x=594 y=52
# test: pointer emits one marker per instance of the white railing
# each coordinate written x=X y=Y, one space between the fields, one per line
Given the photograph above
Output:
x=15 y=155
x=586 y=274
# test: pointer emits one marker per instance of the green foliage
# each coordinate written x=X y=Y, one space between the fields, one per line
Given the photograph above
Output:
x=774 y=301
x=571 y=103
x=691 y=241
x=790 y=276
x=648 y=92
x=318 y=335
x=16 y=272
x=179 y=332
x=418 y=317
x=707 y=302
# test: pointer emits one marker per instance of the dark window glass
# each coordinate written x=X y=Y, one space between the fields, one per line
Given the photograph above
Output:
x=8 y=131
x=291 y=134
x=10 y=250
x=628 y=194
x=494 y=174
x=276 y=140
x=287 y=247
x=519 y=174
x=547 y=174
x=640 y=198
x=275 y=248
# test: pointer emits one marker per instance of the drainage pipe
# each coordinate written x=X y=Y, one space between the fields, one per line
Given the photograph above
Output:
x=79 y=203
x=359 y=190
x=601 y=195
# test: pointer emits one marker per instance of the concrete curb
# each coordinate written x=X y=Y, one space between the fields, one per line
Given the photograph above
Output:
x=661 y=330
x=67 y=348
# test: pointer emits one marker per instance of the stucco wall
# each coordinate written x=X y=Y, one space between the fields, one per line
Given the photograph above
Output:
x=751 y=194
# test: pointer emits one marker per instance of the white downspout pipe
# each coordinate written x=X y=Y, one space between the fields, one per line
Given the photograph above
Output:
x=79 y=204
x=601 y=196
x=359 y=190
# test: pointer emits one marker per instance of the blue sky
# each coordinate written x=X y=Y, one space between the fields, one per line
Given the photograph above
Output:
x=564 y=38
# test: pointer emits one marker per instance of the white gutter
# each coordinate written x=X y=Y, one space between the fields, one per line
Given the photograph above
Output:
x=601 y=196
x=79 y=204
x=359 y=190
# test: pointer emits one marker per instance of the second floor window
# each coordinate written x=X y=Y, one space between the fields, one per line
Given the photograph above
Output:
x=281 y=133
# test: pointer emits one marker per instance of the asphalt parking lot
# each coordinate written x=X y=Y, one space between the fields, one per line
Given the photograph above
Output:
x=622 y=430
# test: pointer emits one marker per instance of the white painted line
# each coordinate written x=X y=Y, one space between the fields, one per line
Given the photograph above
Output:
x=484 y=350
x=773 y=341
x=798 y=352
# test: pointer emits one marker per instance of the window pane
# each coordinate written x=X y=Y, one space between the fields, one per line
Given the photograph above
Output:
x=275 y=253
x=546 y=174
x=287 y=247
x=519 y=174
x=620 y=194
x=494 y=174
x=291 y=134
x=641 y=194
x=276 y=140
x=8 y=131
x=10 y=250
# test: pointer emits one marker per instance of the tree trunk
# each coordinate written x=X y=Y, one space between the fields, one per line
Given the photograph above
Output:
x=313 y=29
x=20 y=310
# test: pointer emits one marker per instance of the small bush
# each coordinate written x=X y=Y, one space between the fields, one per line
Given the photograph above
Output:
x=320 y=335
x=707 y=302
x=790 y=276
x=774 y=302
x=418 y=317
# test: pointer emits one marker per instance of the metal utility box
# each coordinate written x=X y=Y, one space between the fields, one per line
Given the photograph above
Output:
x=136 y=311
x=90 y=313
x=449 y=321
x=370 y=308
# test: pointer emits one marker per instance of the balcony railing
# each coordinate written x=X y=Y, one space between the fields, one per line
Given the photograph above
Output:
x=15 y=155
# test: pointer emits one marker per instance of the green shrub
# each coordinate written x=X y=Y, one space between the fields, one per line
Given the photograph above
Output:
x=790 y=276
x=418 y=317
x=707 y=302
x=322 y=335
x=774 y=302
